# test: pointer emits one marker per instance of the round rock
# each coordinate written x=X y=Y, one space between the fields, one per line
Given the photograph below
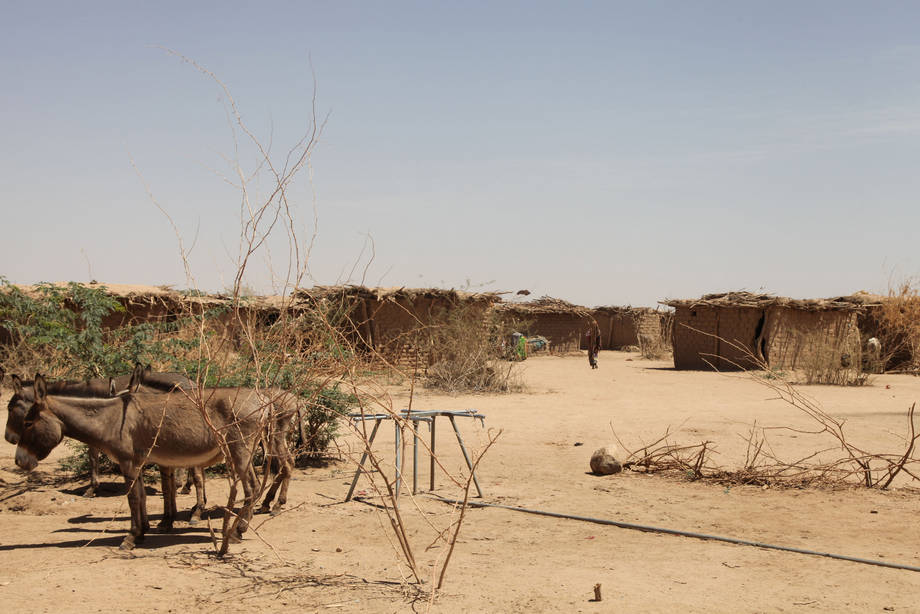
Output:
x=603 y=462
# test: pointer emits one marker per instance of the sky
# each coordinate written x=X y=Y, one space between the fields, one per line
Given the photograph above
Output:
x=606 y=153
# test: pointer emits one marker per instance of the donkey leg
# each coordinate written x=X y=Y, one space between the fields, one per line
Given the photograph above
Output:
x=282 y=479
x=270 y=462
x=136 y=502
x=142 y=495
x=168 y=483
x=249 y=480
x=189 y=481
x=226 y=530
x=287 y=468
x=93 y=455
x=201 y=499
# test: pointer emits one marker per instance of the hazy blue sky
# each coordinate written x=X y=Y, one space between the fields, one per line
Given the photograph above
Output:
x=602 y=152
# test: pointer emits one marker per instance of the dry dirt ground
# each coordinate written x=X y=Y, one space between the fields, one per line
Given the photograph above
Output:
x=58 y=550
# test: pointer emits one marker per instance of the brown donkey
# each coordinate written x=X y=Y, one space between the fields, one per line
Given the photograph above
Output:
x=138 y=427
x=23 y=397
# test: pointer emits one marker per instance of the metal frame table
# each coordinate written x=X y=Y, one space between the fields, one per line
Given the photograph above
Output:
x=429 y=416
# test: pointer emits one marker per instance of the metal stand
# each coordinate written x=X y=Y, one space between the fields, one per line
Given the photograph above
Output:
x=415 y=416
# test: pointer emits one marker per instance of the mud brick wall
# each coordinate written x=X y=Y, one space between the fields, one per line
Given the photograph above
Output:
x=647 y=323
x=738 y=330
x=624 y=332
x=693 y=348
x=563 y=330
x=797 y=339
x=708 y=337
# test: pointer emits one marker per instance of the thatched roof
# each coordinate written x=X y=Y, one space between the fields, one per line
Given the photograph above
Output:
x=544 y=304
x=620 y=310
x=743 y=299
x=138 y=295
x=393 y=294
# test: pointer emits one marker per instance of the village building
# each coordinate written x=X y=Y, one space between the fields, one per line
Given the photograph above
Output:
x=629 y=327
x=741 y=330
x=562 y=324
x=396 y=324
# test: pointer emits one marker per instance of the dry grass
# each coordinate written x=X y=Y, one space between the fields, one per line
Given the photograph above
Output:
x=899 y=328
x=468 y=353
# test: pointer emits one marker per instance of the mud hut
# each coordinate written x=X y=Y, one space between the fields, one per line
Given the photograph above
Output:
x=621 y=327
x=739 y=330
x=395 y=323
x=562 y=323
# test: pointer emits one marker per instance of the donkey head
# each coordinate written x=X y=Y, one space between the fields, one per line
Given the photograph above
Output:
x=16 y=411
x=42 y=431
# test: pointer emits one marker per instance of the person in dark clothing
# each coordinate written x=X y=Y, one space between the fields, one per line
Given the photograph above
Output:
x=594 y=344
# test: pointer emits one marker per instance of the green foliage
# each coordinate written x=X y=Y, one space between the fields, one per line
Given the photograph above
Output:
x=58 y=330
x=63 y=324
x=320 y=419
x=77 y=462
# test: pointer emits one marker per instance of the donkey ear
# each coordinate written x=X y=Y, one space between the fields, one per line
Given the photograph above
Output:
x=112 y=391
x=17 y=384
x=137 y=377
x=41 y=388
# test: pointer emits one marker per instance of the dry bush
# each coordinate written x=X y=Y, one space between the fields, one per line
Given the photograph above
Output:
x=652 y=347
x=825 y=365
x=899 y=328
x=654 y=344
x=836 y=461
x=468 y=353
x=761 y=466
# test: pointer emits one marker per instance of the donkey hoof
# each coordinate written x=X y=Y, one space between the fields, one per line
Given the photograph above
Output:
x=193 y=520
x=264 y=509
x=127 y=543
x=89 y=492
x=276 y=509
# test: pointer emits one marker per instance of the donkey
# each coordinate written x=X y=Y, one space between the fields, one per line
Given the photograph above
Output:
x=284 y=407
x=22 y=400
x=137 y=427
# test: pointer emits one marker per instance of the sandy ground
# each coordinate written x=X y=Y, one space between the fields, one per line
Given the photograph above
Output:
x=58 y=551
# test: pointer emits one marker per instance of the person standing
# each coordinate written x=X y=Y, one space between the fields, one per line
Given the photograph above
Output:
x=594 y=344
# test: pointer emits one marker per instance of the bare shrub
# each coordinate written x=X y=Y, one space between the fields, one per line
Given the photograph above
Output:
x=652 y=347
x=826 y=466
x=826 y=365
x=654 y=333
x=468 y=354
x=899 y=328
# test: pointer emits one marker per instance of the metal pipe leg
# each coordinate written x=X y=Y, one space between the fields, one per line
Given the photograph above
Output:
x=398 y=456
x=431 y=476
x=363 y=458
x=414 y=457
x=466 y=456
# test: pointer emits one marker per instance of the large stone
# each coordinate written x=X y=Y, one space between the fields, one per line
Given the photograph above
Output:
x=603 y=462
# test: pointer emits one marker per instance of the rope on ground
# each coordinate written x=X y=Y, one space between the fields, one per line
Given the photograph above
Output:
x=650 y=529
